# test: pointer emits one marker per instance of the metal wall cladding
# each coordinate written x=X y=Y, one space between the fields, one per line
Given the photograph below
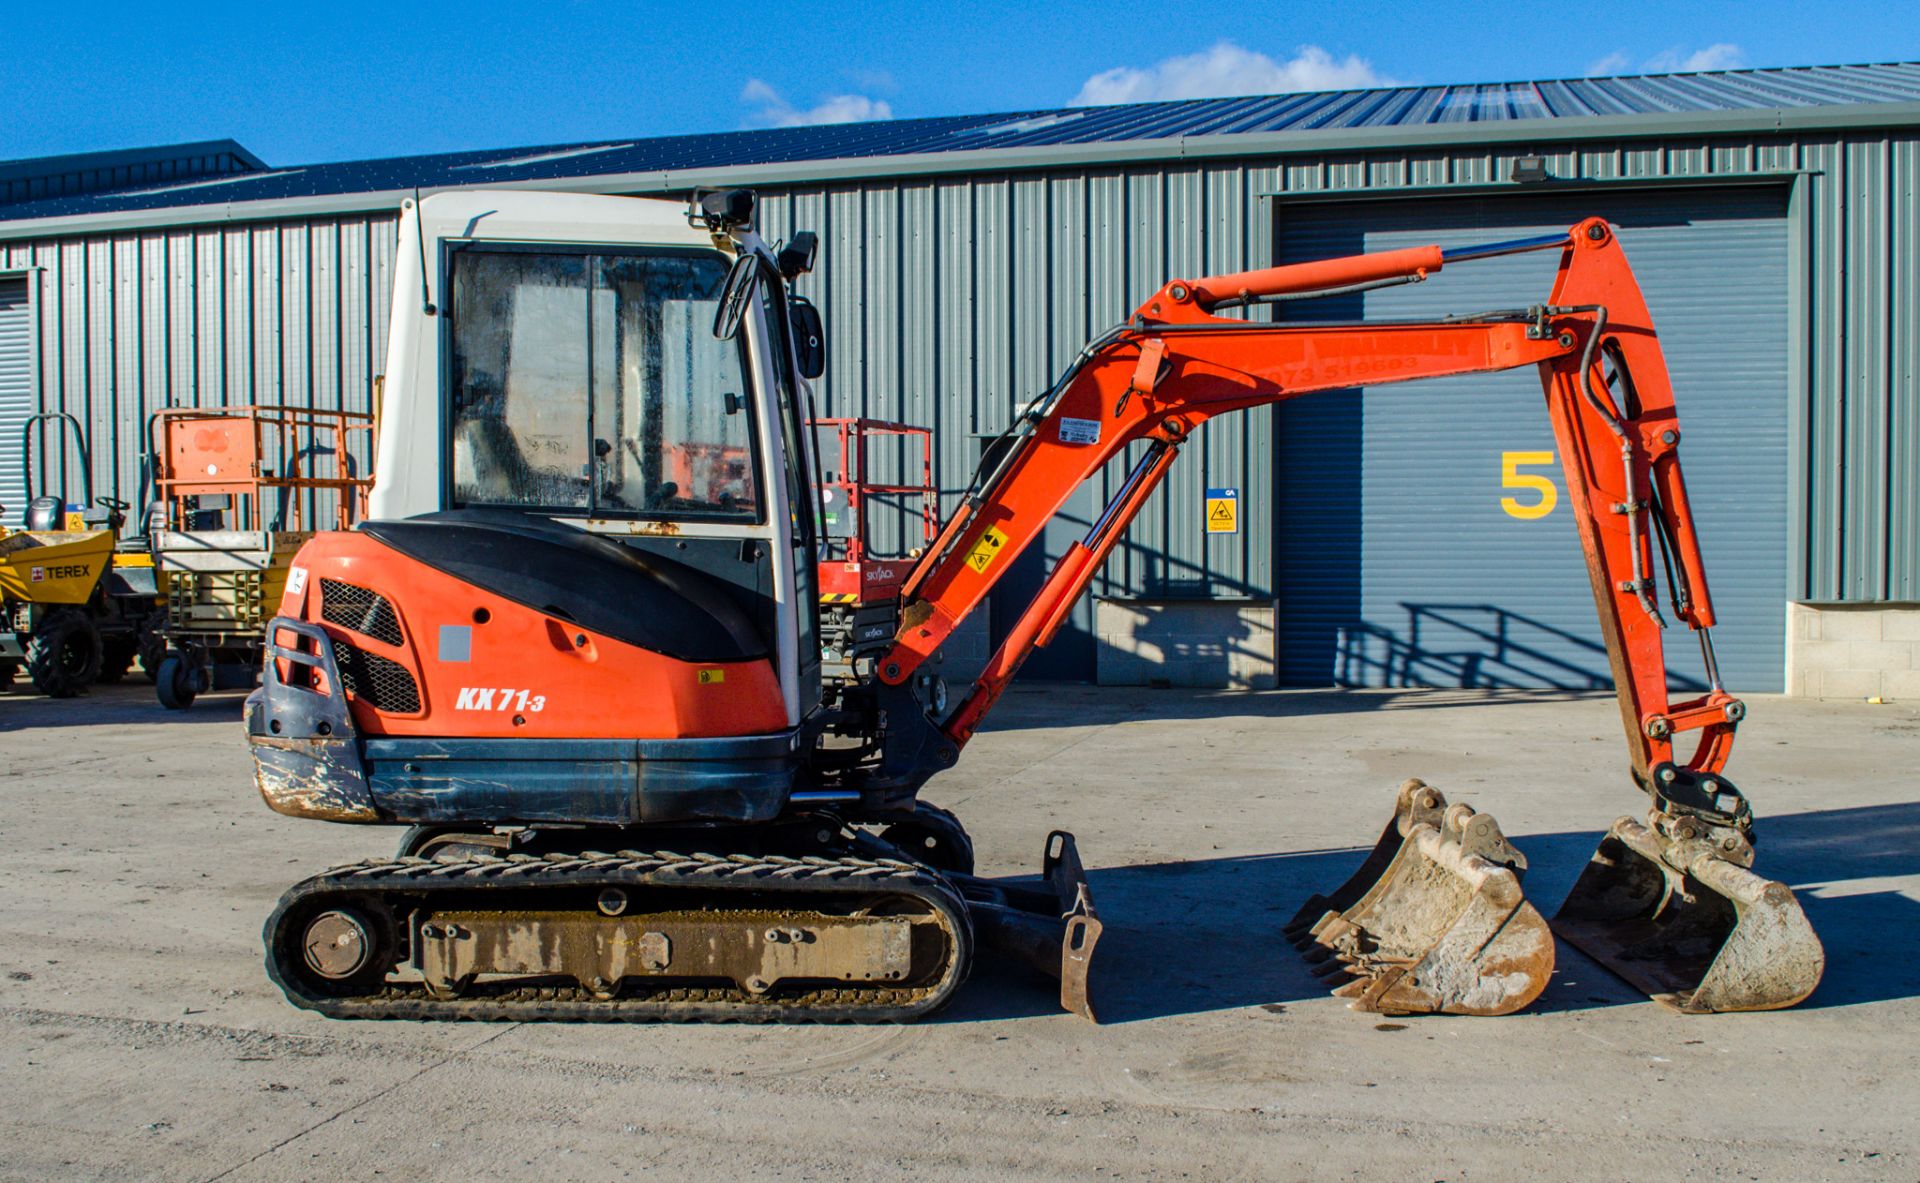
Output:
x=1862 y=260
x=1421 y=564
x=16 y=394
x=286 y=313
x=952 y=300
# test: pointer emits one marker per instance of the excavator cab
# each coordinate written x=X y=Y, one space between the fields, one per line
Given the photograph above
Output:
x=590 y=478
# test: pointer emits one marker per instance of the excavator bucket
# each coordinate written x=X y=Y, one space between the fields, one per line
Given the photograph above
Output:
x=1053 y=929
x=1434 y=921
x=1676 y=914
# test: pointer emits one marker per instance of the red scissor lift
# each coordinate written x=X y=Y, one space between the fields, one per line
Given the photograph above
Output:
x=238 y=490
x=859 y=587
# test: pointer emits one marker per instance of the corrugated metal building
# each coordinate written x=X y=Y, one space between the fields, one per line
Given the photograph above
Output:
x=1771 y=213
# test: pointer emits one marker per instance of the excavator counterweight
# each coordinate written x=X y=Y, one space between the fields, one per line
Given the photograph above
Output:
x=576 y=647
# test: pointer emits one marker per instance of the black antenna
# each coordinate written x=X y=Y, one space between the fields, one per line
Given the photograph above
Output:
x=420 y=240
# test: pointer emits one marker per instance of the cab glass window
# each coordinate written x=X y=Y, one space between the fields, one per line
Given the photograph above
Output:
x=592 y=382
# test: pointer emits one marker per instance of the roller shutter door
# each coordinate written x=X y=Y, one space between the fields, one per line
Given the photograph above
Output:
x=1397 y=564
x=16 y=393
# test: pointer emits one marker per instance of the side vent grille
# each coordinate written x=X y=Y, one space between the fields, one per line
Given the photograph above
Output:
x=356 y=608
x=384 y=685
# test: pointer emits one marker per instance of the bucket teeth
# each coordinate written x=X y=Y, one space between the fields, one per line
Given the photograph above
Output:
x=1434 y=920
x=1673 y=909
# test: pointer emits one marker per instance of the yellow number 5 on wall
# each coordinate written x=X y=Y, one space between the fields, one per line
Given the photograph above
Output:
x=1512 y=478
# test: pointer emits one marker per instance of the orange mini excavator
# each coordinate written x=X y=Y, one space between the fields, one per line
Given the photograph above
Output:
x=575 y=648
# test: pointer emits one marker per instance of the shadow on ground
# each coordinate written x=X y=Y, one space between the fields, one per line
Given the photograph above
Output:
x=1204 y=935
x=131 y=703
x=1046 y=705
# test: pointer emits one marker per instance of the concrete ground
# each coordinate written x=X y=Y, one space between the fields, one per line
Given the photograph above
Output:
x=139 y=1038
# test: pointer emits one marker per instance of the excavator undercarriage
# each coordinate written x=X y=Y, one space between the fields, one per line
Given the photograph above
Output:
x=811 y=920
x=623 y=934
x=587 y=672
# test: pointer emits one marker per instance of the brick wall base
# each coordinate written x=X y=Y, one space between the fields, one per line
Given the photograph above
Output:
x=1219 y=644
x=1854 y=650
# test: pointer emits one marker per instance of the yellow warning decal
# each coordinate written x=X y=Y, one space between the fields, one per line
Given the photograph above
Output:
x=986 y=550
x=1223 y=511
x=712 y=677
x=839 y=597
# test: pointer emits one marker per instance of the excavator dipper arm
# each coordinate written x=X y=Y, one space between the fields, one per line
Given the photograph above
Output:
x=1177 y=363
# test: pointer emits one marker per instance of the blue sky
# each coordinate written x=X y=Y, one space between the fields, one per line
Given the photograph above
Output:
x=345 y=80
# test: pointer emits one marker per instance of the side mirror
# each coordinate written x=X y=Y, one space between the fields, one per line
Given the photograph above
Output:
x=796 y=258
x=809 y=336
x=736 y=296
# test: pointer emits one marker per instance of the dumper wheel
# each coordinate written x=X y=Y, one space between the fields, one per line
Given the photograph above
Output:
x=63 y=655
x=7 y=670
x=176 y=683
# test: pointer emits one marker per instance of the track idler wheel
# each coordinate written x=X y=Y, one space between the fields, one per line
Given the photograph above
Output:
x=1673 y=908
x=343 y=948
x=338 y=945
x=1434 y=921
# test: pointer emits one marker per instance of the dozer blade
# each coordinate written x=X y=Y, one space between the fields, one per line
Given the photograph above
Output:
x=1053 y=930
x=1443 y=927
x=1670 y=910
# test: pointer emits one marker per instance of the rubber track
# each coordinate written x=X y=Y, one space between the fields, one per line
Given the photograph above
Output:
x=413 y=877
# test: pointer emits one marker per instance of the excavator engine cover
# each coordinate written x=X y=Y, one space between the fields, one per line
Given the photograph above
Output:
x=1434 y=920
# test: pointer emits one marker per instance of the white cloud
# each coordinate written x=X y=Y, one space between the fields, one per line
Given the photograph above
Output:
x=772 y=110
x=1722 y=55
x=1227 y=70
x=1613 y=63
